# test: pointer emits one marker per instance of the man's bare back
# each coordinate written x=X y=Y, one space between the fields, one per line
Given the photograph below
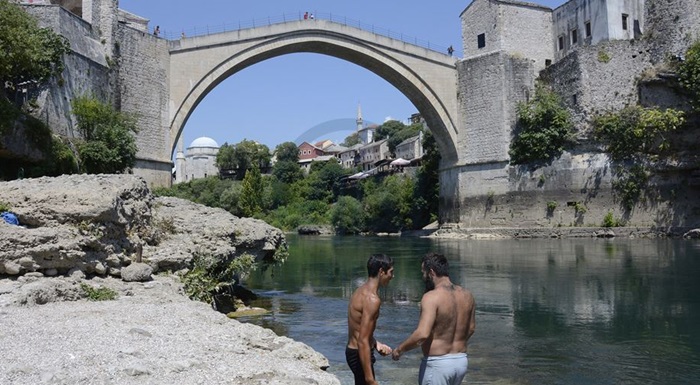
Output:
x=447 y=321
x=454 y=316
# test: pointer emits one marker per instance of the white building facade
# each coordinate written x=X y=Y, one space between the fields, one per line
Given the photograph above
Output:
x=198 y=162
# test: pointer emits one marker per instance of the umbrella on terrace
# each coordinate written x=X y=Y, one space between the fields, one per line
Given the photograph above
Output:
x=400 y=162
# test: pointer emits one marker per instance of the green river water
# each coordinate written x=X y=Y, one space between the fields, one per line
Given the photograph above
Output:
x=549 y=311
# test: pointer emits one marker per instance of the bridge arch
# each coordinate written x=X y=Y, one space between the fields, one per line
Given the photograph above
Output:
x=427 y=78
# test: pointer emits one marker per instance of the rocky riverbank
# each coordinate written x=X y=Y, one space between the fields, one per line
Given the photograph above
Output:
x=557 y=232
x=83 y=233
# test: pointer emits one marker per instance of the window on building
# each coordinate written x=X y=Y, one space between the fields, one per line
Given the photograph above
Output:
x=481 y=40
x=624 y=21
x=574 y=36
x=588 y=29
x=561 y=43
x=547 y=62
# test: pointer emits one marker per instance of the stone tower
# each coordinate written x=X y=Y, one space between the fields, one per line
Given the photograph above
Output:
x=180 y=163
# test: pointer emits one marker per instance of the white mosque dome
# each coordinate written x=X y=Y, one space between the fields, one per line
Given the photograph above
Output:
x=204 y=142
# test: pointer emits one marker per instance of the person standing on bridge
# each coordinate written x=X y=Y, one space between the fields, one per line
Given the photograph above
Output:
x=447 y=321
x=306 y=15
x=156 y=31
x=311 y=16
x=450 y=50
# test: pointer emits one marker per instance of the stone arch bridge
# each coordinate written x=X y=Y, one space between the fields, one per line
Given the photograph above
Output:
x=426 y=77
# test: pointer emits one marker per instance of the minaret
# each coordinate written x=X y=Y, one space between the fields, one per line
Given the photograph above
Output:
x=359 y=117
x=180 y=163
x=365 y=134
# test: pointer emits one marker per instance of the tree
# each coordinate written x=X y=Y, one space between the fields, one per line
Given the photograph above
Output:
x=251 y=199
x=347 y=216
x=689 y=74
x=545 y=129
x=426 y=194
x=351 y=140
x=389 y=128
x=399 y=136
x=27 y=53
x=287 y=171
x=287 y=152
x=225 y=158
x=243 y=156
x=109 y=146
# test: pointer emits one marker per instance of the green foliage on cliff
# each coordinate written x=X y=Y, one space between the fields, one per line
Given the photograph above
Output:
x=208 y=272
x=689 y=74
x=636 y=131
x=630 y=185
x=109 y=145
x=27 y=53
x=545 y=129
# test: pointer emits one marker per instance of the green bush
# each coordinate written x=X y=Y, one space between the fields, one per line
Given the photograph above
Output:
x=545 y=129
x=207 y=273
x=347 y=216
x=689 y=74
x=4 y=206
x=603 y=56
x=98 y=293
x=610 y=221
x=551 y=206
x=110 y=146
x=630 y=185
x=635 y=130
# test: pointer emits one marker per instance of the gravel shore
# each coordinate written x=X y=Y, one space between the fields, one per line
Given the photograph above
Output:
x=151 y=334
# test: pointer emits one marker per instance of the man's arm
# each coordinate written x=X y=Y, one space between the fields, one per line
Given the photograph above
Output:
x=428 y=312
x=370 y=313
x=472 y=319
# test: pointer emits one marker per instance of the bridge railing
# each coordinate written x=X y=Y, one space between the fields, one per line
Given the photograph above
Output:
x=287 y=17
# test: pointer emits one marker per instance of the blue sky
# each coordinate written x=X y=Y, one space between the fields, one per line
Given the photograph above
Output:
x=296 y=96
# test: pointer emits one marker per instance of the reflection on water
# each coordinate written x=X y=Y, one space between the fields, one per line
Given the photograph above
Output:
x=581 y=311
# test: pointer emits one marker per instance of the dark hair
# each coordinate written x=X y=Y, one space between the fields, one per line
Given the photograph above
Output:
x=377 y=262
x=436 y=262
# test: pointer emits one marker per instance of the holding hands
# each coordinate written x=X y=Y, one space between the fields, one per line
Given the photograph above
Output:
x=383 y=349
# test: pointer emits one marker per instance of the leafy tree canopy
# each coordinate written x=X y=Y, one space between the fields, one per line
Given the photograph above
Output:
x=27 y=52
x=243 y=156
x=689 y=73
x=351 y=140
x=287 y=152
x=545 y=128
x=110 y=146
x=287 y=171
x=389 y=128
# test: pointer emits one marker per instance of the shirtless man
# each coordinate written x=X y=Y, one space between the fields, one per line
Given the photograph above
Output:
x=445 y=325
x=363 y=312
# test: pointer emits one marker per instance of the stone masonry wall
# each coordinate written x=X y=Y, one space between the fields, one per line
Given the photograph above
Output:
x=671 y=26
x=86 y=70
x=596 y=79
x=143 y=88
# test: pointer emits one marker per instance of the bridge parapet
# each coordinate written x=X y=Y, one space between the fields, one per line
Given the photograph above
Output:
x=299 y=17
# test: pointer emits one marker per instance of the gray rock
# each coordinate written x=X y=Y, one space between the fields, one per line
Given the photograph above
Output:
x=76 y=273
x=137 y=272
x=95 y=222
x=692 y=234
x=315 y=230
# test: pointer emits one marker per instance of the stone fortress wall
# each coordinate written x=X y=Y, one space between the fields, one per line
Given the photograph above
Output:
x=116 y=58
x=488 y=192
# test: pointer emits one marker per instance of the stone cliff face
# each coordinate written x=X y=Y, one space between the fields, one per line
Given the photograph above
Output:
x=99 y=224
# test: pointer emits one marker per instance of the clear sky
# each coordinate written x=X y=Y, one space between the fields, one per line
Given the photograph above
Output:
x=302 y=96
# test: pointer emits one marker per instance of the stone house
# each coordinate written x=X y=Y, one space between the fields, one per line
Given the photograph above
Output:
x=411 y=148
x=372 y=153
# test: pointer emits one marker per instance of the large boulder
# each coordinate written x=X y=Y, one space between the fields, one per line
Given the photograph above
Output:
x=99 y=224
